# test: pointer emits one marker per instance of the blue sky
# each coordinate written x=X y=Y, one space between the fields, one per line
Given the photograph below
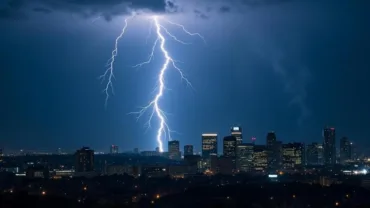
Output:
x=288 y=66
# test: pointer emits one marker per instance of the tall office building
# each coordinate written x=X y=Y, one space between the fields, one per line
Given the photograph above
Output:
x=174 y=150
x=229 y=146
x=114 y=149
x=275 y=163
x=293 y=155
x=329 y=146
x=314 y=154
x=236 y=131
x=345 y=150
x=84 y=160
x=274 y=155
x=244 y=157
x=209 y=145
x=260 y=158
x=188 y=150
x=270 y=139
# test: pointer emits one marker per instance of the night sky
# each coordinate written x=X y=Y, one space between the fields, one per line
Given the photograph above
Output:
x=288 y=66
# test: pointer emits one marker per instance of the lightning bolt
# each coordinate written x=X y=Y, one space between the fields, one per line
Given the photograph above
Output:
x=164 y=131
x=109 y=72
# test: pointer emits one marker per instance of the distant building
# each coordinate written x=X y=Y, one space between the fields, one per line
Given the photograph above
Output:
x=329 y=146
x=314 y=154
x=62 y=173
x=188 y=150
x=209 y=145
x=1 y=155
x=174 y=150
x=274 y=152
x=136 y=150
x=244 y=157
x=270 y=139
x=236 y=131
x=114 y=149
x=345 y=150
x=260 y=158
x=84 y=160
x=123 y=169
x=193 y=161
x=37 y=171
x=154 y=171
x=229 y=146
x=150 y=153
x=225 y=165
x=293 y=155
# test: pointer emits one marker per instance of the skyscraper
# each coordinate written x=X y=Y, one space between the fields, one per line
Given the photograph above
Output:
x=260 y=158
x=270 y=139
x=236 y=131
x=314 y=154
x=209 y=145
x=293 y=155
x=114 y=149
x=329 y=146
x=174 y=150
x=229 y=146
x=84 y=160
x=244 y=157
x=188 y=150
x=274 y=155
x=345 y=150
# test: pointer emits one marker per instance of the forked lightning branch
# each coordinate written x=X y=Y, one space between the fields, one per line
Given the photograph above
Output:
x=162 y=33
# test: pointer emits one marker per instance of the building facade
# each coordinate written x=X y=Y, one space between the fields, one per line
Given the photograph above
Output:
x=345 y=150
x=188 y=150
x=244 y=157
x=84 y=160
x=209 y=145
x=174 y=150
x=329 y=146
x=260 y=158
x=274 y=152
x=229 y=146
x=236 y=131
x=114 y=149
x=293 y=155
x=315 y=154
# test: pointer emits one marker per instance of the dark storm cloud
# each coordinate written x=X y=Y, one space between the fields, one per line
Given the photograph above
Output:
x=86 y=8
x=111 y=8
x=42 y=10
x=200 y=14
x=263 y=2
x=225 y=9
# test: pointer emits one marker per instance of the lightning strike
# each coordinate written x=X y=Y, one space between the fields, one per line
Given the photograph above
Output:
x=164 y=131
x=109 y=72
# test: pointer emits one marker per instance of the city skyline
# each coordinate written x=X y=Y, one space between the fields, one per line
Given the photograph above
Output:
x=269 y=141
x=291 y=67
